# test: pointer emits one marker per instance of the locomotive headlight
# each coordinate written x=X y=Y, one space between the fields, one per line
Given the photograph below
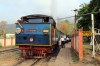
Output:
x=18 y=30
x=46 y=30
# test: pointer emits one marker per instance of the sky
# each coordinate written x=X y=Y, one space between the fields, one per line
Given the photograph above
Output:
x=12 y=10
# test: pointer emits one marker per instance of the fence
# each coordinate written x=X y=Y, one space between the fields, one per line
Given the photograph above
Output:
x=7 y=42
x=77 y=43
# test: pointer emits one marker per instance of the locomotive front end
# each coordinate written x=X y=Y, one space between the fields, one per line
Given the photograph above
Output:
x=35 y=35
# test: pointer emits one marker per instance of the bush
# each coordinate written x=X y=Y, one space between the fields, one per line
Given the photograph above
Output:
x=74 y=56
x=0 y=44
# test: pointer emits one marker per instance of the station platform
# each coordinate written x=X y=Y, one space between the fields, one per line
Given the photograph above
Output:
x=64 y=56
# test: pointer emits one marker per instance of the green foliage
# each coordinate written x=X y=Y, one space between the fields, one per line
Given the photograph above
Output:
x=11 y=28
x=74 y=56
x=3 y=28
x=0 y=44
x=10 y=47
x=70 y=27
x=67 y=21
x=85 y=21
x=6 y=28
x=1 y=47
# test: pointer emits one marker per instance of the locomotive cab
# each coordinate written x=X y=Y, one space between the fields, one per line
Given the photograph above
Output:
x=37 y=19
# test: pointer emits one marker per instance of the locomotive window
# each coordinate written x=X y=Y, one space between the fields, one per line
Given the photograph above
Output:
x=50 y=20
x=35 y=20
x=38 y=20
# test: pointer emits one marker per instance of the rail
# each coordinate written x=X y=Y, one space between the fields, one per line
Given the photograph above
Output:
x=9 y=50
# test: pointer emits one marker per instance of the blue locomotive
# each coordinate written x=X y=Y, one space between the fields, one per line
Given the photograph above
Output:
x=36 y=35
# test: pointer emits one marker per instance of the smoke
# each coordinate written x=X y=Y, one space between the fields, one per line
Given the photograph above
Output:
x=54 y=9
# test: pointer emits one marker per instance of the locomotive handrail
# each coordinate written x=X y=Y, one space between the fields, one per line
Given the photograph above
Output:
x=20 y=25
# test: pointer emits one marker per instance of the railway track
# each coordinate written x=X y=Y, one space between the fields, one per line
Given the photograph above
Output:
x=34 y=62
x=9 y=50
x=19 y=62
x=38 y=61
x=29 y=62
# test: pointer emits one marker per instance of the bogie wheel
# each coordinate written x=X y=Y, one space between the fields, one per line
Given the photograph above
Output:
x=25 y=54
x=29 y=53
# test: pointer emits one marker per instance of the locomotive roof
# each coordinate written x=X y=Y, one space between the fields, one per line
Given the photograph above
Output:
x=35 y=16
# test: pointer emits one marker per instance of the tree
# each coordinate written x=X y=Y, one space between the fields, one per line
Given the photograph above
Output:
x=85 y=21
x=3 y=28
x=66 y=27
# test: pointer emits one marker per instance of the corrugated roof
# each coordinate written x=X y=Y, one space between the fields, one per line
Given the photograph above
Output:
x=35 y=15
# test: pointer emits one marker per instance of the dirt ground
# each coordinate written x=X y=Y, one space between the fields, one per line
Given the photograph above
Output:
x=88 y=60
x=9 y=59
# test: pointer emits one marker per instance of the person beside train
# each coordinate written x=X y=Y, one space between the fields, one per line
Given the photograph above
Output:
x=62 y=42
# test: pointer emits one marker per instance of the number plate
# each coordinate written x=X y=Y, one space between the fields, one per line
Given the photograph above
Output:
x=31 y=30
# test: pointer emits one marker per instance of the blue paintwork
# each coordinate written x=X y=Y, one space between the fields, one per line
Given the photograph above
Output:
x=38 y=36
x=38 y=39
x=60 y=33
x=64 y=34
x=37 y=27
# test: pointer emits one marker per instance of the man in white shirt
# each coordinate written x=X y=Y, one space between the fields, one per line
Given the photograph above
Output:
x=62 y=42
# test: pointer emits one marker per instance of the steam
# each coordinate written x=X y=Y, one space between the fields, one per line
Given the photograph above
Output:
x=54 y=9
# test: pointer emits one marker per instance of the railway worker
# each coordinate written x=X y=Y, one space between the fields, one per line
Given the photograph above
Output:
x=61 y=42
x=67 y=40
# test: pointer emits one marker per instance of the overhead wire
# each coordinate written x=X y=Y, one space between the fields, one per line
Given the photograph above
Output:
x=79 y=15
x=65 y=17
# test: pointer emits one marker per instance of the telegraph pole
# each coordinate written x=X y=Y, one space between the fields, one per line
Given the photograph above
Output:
x=75 y=27
x=75 y=20
x=93 y=51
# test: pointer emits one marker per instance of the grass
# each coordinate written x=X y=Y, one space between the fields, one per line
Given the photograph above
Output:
x=7 y=47
x=0 y=44
x=86 y=51
x=74 y=56
x=10 y=46
x=87 y=48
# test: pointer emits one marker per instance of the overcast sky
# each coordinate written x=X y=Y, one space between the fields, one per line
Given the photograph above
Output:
x=12 y=10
